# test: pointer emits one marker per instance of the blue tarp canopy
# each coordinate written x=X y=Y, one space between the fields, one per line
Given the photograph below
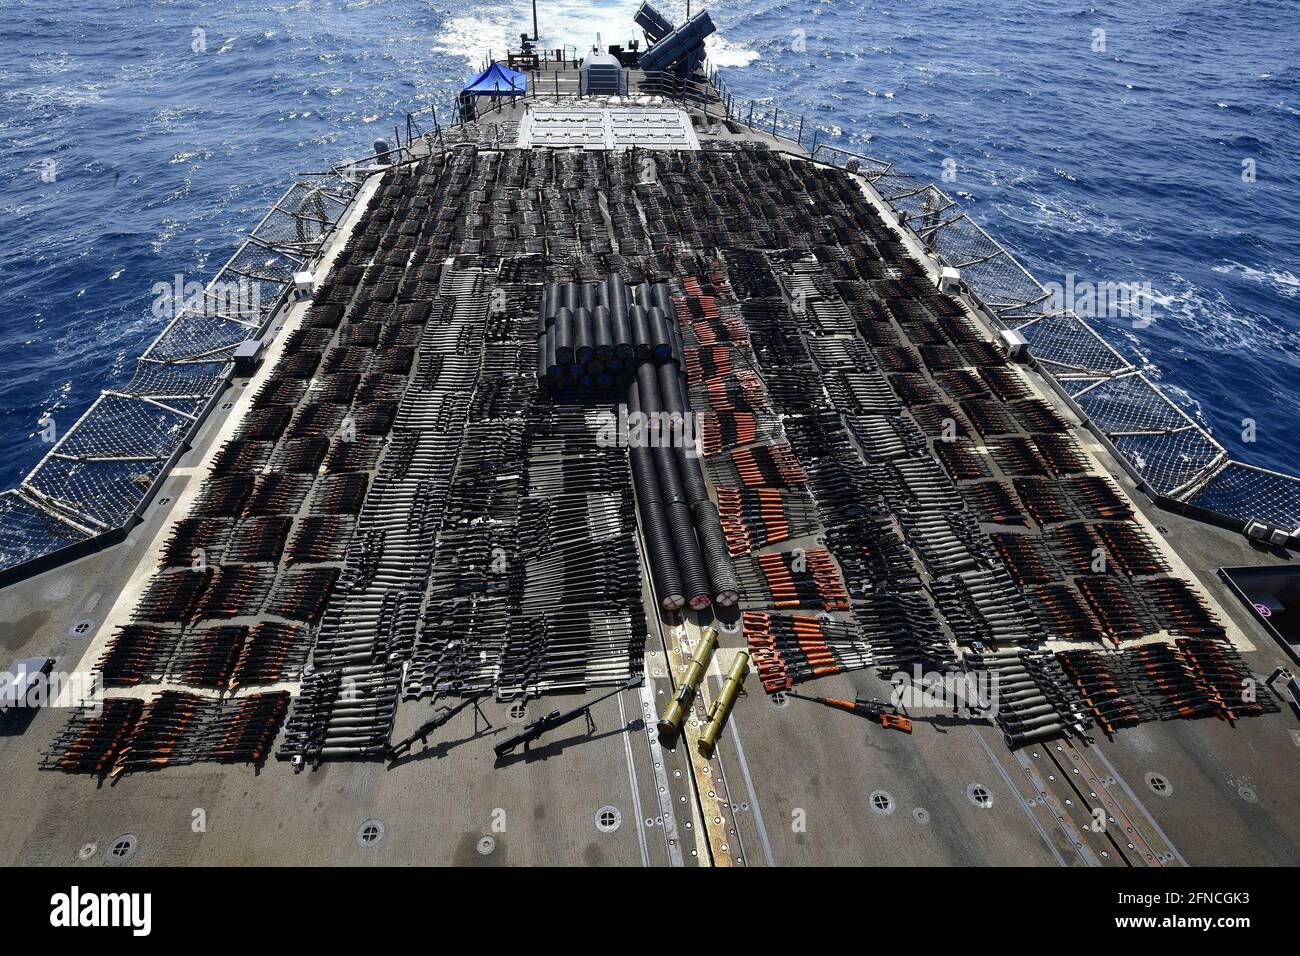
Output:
x=496 y=80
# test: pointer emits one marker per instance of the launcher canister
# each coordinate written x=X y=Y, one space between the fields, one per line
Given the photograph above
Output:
x=670 y=722
x=722 y=705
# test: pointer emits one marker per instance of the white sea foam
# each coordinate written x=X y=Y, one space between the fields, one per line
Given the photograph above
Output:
x=1278 y=280
x=1215 y=324
x=724 y=53
x=475 y=38
x=1055 y=214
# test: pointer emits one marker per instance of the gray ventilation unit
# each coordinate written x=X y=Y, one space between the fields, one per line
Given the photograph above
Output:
x=602 y=75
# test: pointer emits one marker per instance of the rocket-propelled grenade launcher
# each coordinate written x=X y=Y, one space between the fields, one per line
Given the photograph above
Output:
x=670 y=723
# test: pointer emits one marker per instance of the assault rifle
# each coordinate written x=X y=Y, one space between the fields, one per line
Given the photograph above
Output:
x=558 y=718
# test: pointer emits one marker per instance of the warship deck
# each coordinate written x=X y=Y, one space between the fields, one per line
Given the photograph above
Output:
x=475 y=227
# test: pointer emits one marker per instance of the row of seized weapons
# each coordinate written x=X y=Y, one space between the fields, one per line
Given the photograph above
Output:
x=348 y=701
x=373 y=628
x=122 y=734
x=533 y=584
x=218 y=658
x=808 y=478
x=1189 y=678
x=1044 y=703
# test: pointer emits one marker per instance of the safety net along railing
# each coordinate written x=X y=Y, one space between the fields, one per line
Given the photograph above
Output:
x=1174 y=456
x=92 y=484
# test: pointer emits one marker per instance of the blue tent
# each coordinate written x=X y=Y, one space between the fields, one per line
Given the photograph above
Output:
x=496 y=80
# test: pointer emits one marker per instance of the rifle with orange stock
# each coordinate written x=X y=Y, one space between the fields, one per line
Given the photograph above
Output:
x=876 y=711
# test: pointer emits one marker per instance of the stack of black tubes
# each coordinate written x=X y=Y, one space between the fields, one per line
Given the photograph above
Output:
x=686 y=549
x=604 y=338
x=591 y=336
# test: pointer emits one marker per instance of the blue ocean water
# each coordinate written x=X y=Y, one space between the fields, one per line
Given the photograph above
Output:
x=138 y=141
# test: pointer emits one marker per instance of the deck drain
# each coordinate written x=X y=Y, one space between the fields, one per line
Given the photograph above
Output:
x=882 y=802
x=518 y=712
x=485 y=845
x=778 y=699
x=921 y=815
x=122 y=849
x=370 y=833
x=1248 y=794
x=608 y=819
x=87 y=850
x=979 y=795
x=81 y=628
x=1159 y=785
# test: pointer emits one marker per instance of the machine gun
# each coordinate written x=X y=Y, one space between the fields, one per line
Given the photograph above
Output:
x=886 y=715
x=402 y=748
x=558 y=718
